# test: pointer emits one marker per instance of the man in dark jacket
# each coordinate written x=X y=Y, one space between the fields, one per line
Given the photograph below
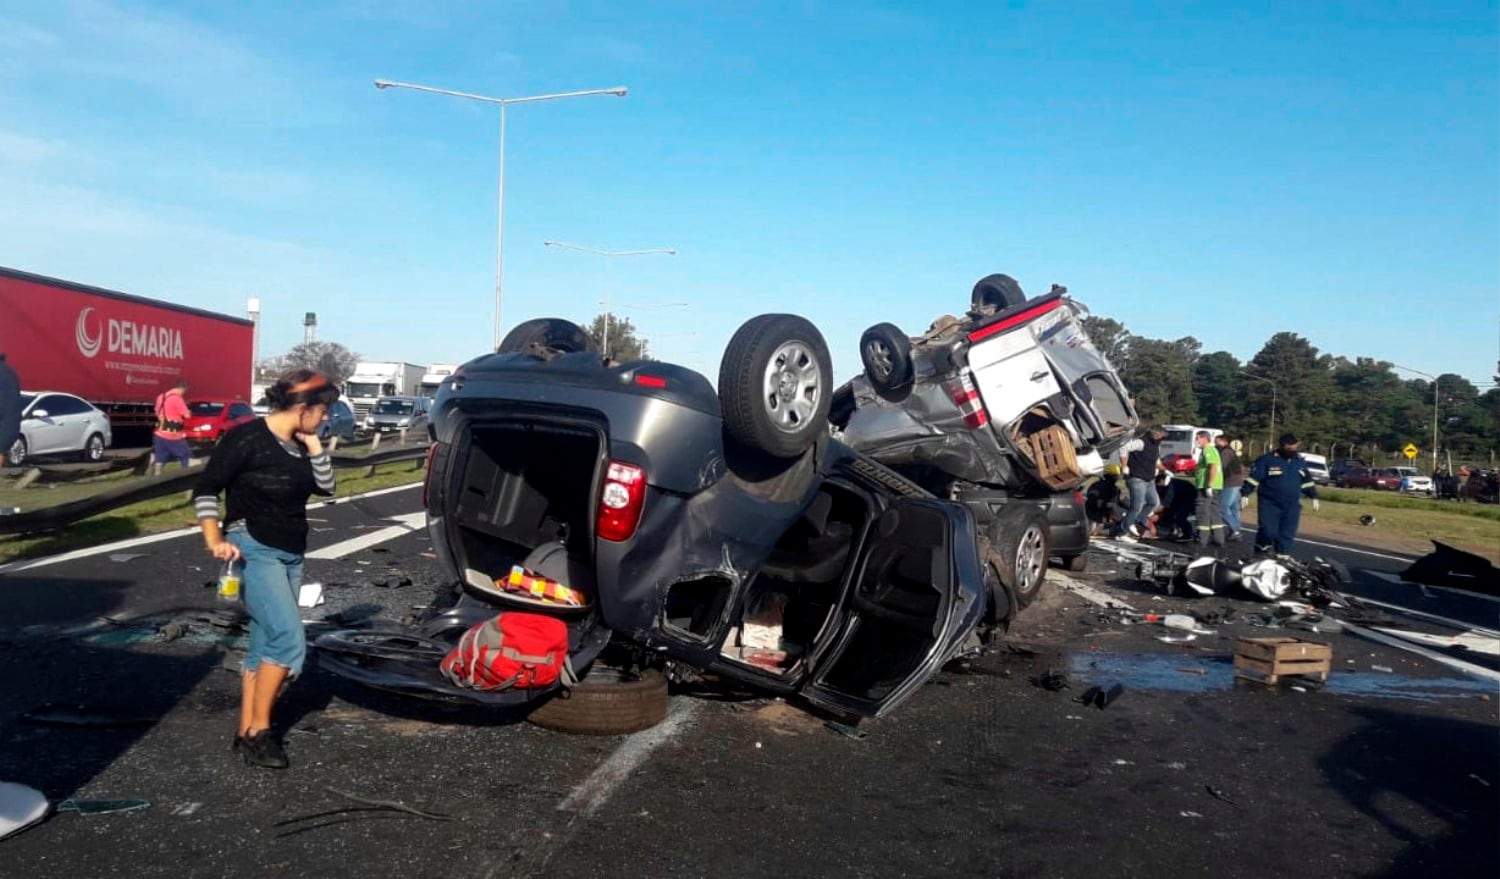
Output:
x=1142 y=462
x=10 y=407
x=1234 y=481
x=1282 y=478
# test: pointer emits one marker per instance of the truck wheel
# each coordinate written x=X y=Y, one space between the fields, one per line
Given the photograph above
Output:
x=546 y=332
x=17 y=455
x=605 y=703
x=93 y=449
x=996 y=293
x=775 y=384
x=1019 y=549
x=885 y=352
x=1076 y=563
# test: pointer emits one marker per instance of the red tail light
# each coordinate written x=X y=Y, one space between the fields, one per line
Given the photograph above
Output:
x=966 y=397
x=427 y=472
x=621 y=500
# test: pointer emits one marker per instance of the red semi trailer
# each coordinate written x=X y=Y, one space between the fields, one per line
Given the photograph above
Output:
x=116 y=350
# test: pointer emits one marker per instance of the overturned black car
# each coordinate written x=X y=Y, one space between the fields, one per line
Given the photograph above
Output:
x=699 y=531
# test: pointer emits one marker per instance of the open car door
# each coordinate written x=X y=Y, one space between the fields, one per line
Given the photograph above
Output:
x=914 y=597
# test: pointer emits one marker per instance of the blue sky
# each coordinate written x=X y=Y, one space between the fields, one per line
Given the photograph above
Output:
x=1188 y=169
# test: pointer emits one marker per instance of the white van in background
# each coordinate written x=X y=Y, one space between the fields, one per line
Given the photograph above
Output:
x=1317 y=468
x=1179 y=439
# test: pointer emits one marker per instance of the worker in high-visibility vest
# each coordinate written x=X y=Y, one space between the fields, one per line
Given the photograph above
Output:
x=1209 y=481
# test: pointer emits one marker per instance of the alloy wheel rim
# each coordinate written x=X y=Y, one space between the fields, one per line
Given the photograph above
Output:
x=793 y=387
x=882 y=358
x=1029 y=559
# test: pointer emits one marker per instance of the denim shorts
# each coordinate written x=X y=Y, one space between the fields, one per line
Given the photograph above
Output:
x=164 y=450
x=268 y=585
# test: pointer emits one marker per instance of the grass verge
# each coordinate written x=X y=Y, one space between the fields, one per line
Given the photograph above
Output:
x=1399 y=528
x=1390 y=500
x=167 y=514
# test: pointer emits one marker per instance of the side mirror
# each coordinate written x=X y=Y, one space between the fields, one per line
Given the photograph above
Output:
x=38 y=413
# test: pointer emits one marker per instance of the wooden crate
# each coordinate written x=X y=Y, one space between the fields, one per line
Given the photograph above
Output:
x=1266 y=660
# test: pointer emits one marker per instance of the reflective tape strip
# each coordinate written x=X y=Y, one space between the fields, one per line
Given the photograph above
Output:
x=966 y=397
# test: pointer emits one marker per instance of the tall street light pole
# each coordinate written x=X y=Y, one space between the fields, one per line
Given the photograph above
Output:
x=1434 y=409
x=502 y=103
x=1271 y=431
x=609 y=256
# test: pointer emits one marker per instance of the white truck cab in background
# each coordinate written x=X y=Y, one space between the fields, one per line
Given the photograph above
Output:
x=377 y=379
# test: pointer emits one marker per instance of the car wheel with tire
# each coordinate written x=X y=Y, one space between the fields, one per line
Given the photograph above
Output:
x=17 y=454
x=885 y=352
x=93 y=448
x=775 y=384
x=996 y=293
x=607 y=702
x=546 y=333
x=1019 y=543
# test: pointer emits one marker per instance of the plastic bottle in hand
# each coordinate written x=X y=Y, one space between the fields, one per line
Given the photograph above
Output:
x=229 y=581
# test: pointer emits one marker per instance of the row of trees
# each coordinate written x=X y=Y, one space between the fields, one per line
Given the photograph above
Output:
x=338 y=362
x=1330 y=402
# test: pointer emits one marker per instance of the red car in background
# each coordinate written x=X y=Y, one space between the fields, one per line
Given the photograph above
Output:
x=208 y=420
x=1364 y=477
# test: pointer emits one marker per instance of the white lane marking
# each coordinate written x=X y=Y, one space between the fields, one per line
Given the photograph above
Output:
x=407 y=523
x=1465 y=667
x=1464 y=593
x=28 y=564
x=1378 y=555
x=44 y=561
x=376 y=493
x=1469 y=640
x=595 y=790
x=1423 y=615
x=1087 y=592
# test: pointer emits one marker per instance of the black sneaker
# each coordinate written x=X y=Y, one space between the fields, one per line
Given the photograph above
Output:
x=262 y=749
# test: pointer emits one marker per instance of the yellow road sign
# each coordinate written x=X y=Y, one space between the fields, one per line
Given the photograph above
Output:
x=1410 y=451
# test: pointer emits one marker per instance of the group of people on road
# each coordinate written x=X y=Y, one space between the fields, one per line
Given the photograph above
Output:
x=1214 y=492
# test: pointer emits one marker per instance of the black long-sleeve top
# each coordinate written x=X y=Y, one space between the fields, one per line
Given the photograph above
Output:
x=266 y=483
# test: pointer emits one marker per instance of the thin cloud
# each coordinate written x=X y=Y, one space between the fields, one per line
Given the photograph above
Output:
x=20 y=149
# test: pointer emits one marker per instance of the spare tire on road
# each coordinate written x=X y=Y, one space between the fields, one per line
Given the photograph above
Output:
x=775 y=384
x=606 y=702
x=546 y=333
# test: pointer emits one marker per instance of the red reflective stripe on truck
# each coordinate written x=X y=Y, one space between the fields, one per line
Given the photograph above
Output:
x=1023 y=317
x=966 y=397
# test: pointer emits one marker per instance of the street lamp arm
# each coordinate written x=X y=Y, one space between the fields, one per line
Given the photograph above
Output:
x=619 y=91
x=580 y=248
x=608 y=253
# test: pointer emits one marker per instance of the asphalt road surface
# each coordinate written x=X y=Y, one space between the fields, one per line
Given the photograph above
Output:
x=983 y=772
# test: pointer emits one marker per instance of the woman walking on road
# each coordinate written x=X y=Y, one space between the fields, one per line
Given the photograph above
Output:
x=267 y=469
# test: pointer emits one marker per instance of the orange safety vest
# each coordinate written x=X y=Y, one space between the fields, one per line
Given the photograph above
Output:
x=540 y=587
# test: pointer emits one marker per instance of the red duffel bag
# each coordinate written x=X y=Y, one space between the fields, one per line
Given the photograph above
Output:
x=524 y=650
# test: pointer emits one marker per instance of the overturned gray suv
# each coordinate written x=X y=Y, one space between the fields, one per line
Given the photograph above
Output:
x=699 y=531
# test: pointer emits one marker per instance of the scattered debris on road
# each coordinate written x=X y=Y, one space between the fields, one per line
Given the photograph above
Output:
x=54 y=714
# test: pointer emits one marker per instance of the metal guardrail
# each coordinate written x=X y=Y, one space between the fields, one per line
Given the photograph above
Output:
x=57 y=517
